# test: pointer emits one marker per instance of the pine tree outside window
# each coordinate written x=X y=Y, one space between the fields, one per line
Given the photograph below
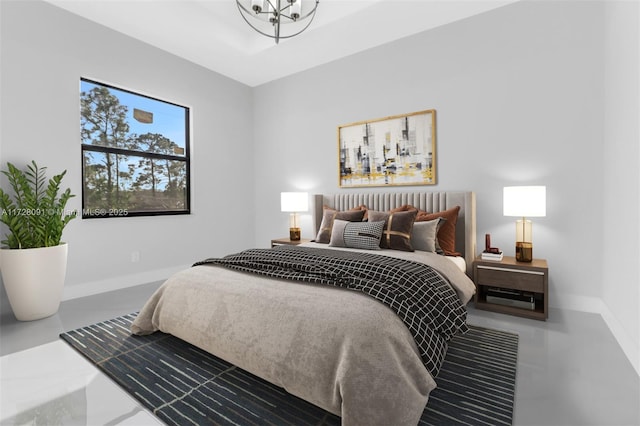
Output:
x=135 y=153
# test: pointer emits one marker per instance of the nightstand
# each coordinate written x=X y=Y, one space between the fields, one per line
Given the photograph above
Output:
x=288 y=242
x=512 y=287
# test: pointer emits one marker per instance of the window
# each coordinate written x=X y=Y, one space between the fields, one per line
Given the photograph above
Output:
x=135 y=153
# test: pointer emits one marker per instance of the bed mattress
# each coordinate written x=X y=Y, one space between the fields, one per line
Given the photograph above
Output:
x=339 y=349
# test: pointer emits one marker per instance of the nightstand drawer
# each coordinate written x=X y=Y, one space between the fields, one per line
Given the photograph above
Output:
x=497 y=276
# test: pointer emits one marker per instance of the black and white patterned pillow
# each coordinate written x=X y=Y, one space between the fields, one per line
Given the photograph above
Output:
x=362 y=235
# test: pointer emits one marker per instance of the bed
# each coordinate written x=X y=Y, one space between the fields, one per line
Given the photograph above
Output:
x=321 y=320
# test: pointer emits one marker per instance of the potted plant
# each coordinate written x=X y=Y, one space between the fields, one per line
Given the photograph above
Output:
x=33 y=260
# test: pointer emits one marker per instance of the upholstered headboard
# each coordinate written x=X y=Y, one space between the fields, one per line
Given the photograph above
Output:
x=427 y=201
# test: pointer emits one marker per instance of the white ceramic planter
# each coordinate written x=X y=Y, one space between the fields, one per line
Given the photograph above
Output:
x=34 y=280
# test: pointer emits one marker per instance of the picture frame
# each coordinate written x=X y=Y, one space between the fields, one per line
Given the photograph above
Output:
x=398 y=150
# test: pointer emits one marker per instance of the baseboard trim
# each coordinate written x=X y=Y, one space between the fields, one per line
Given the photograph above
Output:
x=597 y=306
x=119 y=282
x=625 y=341
x=574 y=302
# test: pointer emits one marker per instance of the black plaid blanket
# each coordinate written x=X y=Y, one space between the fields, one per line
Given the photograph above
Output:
x=422 y=298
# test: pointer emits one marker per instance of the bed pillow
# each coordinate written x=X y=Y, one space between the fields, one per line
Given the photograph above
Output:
x=404 y=208
x=329 y=215
x=362 y=235
x=362 y=207
x=447 y=231
x=424 y=235
x=397 y=229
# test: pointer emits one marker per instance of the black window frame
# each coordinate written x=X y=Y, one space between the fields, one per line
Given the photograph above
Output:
x=118 y=211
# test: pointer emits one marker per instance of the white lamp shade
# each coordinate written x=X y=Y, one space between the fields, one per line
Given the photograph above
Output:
x=525 y=201
x=294 y=201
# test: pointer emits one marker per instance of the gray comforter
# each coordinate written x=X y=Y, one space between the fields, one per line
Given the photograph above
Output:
x=336 y=348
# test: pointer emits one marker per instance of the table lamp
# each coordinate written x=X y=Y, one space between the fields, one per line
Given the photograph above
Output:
x=524 y=201
x=294 y=202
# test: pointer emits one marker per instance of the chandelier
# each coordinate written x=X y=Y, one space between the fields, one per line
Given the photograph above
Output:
x=278 y=19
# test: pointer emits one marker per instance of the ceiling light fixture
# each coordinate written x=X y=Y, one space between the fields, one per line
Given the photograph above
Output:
x=285 y=18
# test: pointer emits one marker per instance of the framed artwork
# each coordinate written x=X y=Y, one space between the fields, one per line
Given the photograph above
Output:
x=396 y=150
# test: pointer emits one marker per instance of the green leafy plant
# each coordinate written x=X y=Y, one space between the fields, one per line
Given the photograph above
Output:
x=36 y=216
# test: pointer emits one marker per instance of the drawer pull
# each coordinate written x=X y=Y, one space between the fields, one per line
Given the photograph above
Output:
x=519 y=271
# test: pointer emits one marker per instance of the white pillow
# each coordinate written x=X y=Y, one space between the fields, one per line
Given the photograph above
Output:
x=362 y=235
x=424 y=234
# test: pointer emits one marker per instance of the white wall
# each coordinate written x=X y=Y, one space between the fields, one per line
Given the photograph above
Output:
x=520 y=99
x=45 y=51
x=621 y=198
x=518 y=93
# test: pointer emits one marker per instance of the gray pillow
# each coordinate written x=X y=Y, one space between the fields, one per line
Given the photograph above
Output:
x=362 y=235
x=329 y=215
x=423 y=235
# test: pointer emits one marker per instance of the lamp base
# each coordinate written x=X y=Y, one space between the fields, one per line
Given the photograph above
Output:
x=524 y=252
x=294 y=234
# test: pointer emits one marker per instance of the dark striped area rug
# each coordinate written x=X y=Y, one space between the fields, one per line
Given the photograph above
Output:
x=183 y=385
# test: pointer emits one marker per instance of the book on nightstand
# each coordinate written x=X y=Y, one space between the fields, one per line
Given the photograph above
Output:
x=491 y=256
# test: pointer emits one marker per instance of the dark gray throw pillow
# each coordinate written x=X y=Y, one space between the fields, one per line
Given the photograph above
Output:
x=397 y=230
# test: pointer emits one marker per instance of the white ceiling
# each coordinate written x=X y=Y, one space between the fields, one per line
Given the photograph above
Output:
x=212 y=33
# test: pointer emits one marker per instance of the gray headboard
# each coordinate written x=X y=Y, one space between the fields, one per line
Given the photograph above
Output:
x=427 y=201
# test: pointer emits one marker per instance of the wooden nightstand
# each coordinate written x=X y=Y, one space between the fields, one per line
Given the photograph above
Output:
x=499 y=283
x=287 y=242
